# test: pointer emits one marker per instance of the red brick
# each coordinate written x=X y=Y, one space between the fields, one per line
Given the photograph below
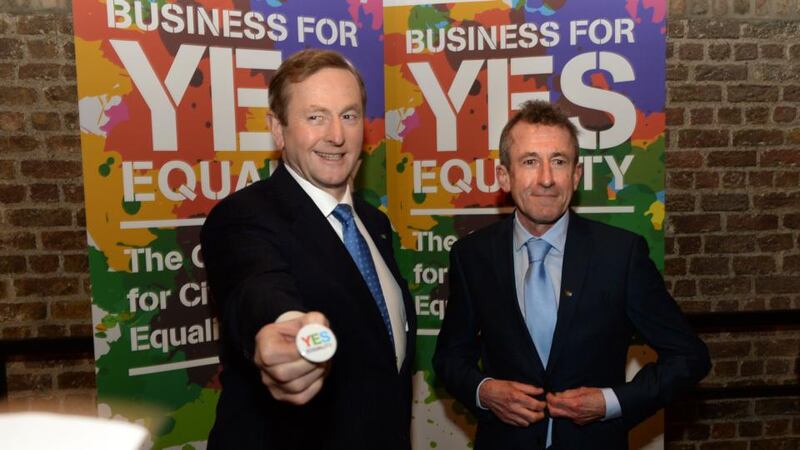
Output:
x=725 y=369
x=22 y=312
x=64 y=240
x=751 y=368
x=18 y=96
x=39 y=71
x=750 y=429
x=11 y=121
x=679 y=180
x=784 y=114
x=760 y=179
x=51 y=169
x=674 y=266
x=777 y=367
x=698 y=223
x=720 y=72
x=674 y=116
x=43 y=263
x=45 y=286
x=787 y=179
x=11 y=193
x=701 y=116
x=791 y=263
x=20 y=143
x=724 y=445
x=757 y=137
x=725 y=409
x=773 y=51
x=65 y=143
x=729 y=244
x=793 y=136
x=680 y=202
x=734 y=179
x=752 y=93
x=724 y=202
x=736 y=158
x=729 y=116
x=54 y=331
x=756 y=116
x=706 y=180
x=719 y=51
x=695 y=93
x=723 y=430
x=61 y=94
x=12 y=264
x=792 y=221
x=689 y=245
x=778 y=284
x=677 y=72
x=775 y=242
x=675 y=28
x=17 y=241
x=68 y=72
x=43 y=49
x=791 y=93
x=776 y=200
x=11 y=48
x=30 y=382
x=39 y=217
x=36 y=24
x=73 y=193
x=76 y=380
x=709 y=265
x=76 y=263
x=7 y=169
x=46 y=121
x=745 y=52
x=70 y=310
x=685 y=288
x=780 y=158
x=711 y=29
x=691 y=51
x=683 y=159
x=753 y=265
x=44 y=193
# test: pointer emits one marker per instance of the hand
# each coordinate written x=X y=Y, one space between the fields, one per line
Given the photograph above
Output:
x=512 y=402
x=286 y=374
x=583 y=405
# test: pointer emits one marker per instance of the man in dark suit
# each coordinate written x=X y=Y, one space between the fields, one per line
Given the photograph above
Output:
x=298 y=248
x=548 y=302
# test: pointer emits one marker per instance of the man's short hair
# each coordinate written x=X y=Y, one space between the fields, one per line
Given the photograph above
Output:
x=536 y=112
x=300 y=66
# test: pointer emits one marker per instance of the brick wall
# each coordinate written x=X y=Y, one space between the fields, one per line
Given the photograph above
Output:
x=733 y=207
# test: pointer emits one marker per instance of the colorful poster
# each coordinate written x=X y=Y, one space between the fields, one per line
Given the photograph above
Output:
x=173 y=107
x=455 y=72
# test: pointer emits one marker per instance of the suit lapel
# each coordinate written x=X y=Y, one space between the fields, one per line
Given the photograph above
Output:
x=577 y=255
x=507 y=287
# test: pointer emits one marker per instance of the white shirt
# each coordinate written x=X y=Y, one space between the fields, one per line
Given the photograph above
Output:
x=391 y=290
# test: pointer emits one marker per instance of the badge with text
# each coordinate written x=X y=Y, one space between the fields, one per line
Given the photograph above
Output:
x=316 y=343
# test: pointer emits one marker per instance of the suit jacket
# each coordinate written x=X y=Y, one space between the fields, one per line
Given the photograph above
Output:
x=609 y=289
x=267 y=250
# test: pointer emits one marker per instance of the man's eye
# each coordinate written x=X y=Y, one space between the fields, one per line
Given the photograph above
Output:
x=350 y=116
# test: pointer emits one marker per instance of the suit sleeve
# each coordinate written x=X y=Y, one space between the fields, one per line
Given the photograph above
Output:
x=248 y=268
x=683 y=358
x=457 y=347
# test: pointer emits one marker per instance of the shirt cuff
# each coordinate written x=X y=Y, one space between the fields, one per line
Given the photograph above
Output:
x=613 y=408
x=477 y=393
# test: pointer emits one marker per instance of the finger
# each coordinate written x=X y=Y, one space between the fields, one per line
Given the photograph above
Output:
x=289 y=371
x=300 y=398
x=528 y=389
x=275 y=349
x=300 y=384
x=314 y=317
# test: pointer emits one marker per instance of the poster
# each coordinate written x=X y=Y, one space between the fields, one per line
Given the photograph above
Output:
x=173 y=107
x=455 y=71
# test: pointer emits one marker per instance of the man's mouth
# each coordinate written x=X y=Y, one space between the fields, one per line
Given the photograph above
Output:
x=329 y=156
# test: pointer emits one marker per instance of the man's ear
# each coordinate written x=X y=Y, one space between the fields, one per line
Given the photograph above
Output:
x=576 y=176
x=276 y=128
x=504 y=177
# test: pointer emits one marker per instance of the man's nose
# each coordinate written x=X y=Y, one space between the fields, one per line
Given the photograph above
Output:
x=335 y=133
x=546 y=175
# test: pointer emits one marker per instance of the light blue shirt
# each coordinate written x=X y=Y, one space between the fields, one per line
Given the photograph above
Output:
x=556 y=236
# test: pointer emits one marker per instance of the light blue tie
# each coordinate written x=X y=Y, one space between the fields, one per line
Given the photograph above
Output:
x=360 y=253
x=541 y=309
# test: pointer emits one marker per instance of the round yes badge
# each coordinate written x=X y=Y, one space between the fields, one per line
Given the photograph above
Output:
x=316 y=343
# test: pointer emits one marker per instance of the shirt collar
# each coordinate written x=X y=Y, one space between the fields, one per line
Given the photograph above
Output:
x=324 y=201
x=556 y=236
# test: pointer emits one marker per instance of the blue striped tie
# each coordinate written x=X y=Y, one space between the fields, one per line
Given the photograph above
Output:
x=359 y=251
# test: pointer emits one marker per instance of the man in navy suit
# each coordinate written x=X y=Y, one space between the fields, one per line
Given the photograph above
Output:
x=298 y=248
x=548 y=301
